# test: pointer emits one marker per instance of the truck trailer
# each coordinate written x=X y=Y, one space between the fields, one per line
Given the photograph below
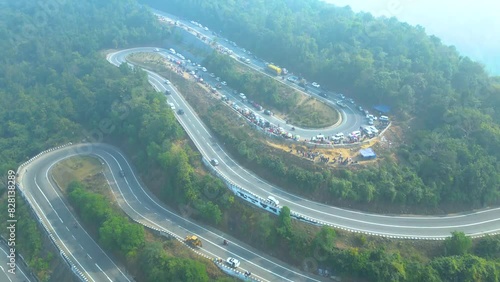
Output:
x=274 y=69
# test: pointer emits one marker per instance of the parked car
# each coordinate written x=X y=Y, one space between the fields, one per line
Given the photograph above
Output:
x=315 y=84
x=224 y=83
x=232 y=262
x=373 y=129
x=340 y=135
x=273 y=200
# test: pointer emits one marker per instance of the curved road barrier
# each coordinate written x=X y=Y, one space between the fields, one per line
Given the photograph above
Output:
x=474 y=224
x=83 y=254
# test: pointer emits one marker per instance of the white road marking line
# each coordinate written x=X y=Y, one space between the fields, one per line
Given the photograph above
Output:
x=6 y=274
x=57 y=235
x=194 y=224
x=39 y=189
x=103 y=272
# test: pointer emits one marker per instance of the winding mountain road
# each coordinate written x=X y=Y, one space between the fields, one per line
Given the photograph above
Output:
x=475 y=223
x=38 y=185
x=93 y=264
x=351 y=119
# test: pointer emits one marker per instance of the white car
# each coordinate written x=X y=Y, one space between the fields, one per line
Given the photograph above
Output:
x=224 y=83
x=234 y=263
x=273 y=200
x=204 y=69
x=315 y=84
x=340 y=103
x=171 y=105
x=157 y=50
x=373 y=129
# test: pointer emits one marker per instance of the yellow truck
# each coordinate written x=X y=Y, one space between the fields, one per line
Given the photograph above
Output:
x=193 y=241
x=274 y=69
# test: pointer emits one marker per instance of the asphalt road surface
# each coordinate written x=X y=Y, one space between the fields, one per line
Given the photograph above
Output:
x=141 y=206
x=96 y=265
x=474 y=223
x=351 y=118
x=70 y=236
x=20 y=273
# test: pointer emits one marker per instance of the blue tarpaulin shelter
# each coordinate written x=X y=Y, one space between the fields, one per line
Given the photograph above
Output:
x=382 y=108
x=367 y=153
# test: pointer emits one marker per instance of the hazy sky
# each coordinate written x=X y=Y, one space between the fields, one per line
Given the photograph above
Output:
x=472 y=26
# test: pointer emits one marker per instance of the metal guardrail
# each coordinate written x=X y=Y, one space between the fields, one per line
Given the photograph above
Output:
x=31 y=273
x=32 y=209
x=238 y=191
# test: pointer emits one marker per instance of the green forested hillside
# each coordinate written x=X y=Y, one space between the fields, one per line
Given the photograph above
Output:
x=52 y=79
x=447 y=103
x=56 y=86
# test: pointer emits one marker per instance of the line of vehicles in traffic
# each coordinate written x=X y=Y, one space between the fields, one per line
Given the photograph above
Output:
x=368 y=130
x=270 y=67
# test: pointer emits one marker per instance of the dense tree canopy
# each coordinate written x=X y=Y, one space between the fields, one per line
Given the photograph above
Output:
x=452 y=149
x=56 y=86
x=52 y=80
